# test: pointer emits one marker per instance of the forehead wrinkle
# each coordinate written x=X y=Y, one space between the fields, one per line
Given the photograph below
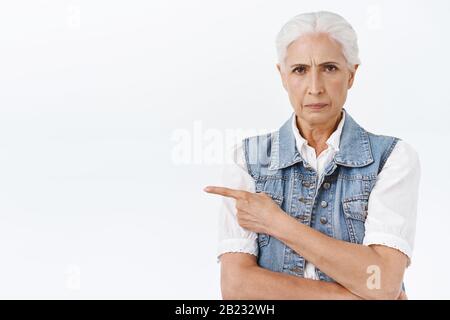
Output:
x=313 y=58
x=325 y=61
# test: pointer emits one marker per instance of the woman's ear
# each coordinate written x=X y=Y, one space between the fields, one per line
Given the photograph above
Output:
x=282 y=76
x=352 y=76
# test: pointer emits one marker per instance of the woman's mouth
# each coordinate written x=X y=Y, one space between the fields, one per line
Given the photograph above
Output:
x=316 y=106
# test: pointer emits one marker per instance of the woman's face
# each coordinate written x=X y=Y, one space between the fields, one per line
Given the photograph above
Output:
x=316 y=71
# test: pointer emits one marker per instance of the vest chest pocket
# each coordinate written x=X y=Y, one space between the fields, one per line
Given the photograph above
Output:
x=263 y=239
x=355 y=212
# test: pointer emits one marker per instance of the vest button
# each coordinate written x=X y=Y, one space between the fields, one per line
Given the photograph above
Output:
x=301 y=199
x=326 y=185
x=324 y=204
x=323 y=220
x=306 y=184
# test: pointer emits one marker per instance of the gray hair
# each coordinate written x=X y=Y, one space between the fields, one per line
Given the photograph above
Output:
x=319 y=22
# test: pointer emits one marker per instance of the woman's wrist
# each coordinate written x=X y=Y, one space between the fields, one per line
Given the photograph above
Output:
x=280 y=225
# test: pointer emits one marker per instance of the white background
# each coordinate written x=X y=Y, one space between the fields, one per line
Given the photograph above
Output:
x=95 y=201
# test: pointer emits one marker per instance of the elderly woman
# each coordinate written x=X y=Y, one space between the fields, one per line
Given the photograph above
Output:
x=321 y=198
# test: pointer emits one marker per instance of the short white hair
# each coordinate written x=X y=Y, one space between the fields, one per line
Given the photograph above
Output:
x=320 y=22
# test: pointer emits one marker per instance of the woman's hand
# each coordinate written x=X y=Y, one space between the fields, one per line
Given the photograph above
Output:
x=255 y=211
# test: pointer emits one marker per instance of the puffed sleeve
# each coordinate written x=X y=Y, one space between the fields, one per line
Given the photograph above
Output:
x=392 y=207
x=232 y=237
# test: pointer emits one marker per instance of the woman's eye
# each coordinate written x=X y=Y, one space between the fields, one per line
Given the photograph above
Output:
x=300 y=70
x=330 y=68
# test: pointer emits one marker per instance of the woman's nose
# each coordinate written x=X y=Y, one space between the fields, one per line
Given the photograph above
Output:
x=315 y=84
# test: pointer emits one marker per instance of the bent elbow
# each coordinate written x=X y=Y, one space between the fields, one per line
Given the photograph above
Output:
x=226 y=288
x=234 y=274
x=231 y=288
x=227 y=294
x=392 y=294
x=232 y=285
x=386 y=294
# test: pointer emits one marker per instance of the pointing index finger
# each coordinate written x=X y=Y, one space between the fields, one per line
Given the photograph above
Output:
x=226 y=192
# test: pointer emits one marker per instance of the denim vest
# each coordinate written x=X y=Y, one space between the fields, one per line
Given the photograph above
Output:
x=334 y=203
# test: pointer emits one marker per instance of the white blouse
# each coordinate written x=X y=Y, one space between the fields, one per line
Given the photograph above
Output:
x=392 y=207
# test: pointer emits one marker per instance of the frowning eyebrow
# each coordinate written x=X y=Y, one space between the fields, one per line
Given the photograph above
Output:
x=307 y=65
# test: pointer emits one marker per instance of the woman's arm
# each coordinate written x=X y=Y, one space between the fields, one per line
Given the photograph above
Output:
x=345 y=262
x=391 y=220
x=242 y=278
x=370 y=270
x=352 y=265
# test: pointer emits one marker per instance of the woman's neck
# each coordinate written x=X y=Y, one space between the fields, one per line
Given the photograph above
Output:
x=317 y=135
